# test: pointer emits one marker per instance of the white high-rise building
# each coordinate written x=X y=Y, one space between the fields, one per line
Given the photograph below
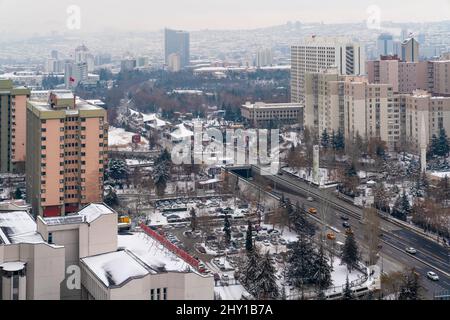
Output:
x=320 y=53
x=264 y=58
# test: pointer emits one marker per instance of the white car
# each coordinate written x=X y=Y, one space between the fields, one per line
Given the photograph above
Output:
x=266 y=243
x=310 y=199
x=433 y=276
x=411 y=250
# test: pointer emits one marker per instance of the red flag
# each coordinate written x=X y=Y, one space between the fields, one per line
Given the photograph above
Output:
x=71 y=79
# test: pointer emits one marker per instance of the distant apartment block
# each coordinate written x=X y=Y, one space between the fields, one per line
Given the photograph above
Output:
x=320 y=53
x=267 y=115
x=178 y=42
x=406 y=77
x=424 y=109
x=13 y=102
x=66 y=153
x=264 y=58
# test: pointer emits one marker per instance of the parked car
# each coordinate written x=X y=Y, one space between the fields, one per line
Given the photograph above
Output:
x=266 y=243
x=282 y=241
x=432 y=276
x=312 y=210
x=345 y=218
x=345 y=224
x=411 y=250
x=310 y=199
x=331 y=236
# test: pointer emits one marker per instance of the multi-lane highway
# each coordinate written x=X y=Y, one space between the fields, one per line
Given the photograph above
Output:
x=430 y=255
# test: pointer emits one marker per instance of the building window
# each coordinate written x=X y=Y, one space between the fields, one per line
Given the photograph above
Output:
x=158 y=293
x=152 y=294
x=165 y=294
x=50 y=238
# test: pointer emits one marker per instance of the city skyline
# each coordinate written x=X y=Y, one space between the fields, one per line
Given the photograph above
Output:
x=98 y=17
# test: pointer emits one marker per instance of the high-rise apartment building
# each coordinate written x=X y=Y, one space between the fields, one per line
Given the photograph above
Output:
x=264 y=58
x=177 y=42
x=320 y=53
x=67 y=140
x=13 y=103
x=433 y=111
x=354 y=106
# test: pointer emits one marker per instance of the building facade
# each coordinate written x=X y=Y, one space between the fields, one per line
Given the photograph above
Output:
x=268 y=115
x=321 y=53
x=66 y=154
x=13 y=102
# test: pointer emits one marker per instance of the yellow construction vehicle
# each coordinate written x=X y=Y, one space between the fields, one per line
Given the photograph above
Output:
x=124 y=223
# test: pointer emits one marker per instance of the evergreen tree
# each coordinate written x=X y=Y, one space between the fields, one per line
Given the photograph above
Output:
x=250 y=270
x=347 y=293
x=227 y=229
x=248 y=238
x=325 y=140
x=434 y=146
x=193 y=214
x=443 y=146
x=402 y=207
x=351 y=170
x=324 y=269
x=18 y=194
x=350 y=252
x=111 y=198
x=301 y=224
x=117 y=169
x=161 y=176
x=410 y=288
x=301 y=269
x=265 y=285
x=339 y=141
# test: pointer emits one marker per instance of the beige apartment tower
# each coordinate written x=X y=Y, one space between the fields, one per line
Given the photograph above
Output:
x=66 y=154
x=13 y=103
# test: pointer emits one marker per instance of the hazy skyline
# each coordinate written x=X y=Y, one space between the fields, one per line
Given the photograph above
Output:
x=30 y=16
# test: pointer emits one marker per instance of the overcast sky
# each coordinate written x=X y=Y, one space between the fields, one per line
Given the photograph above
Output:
x=99 y=15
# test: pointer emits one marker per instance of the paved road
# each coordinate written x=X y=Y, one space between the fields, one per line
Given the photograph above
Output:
x=430 y=255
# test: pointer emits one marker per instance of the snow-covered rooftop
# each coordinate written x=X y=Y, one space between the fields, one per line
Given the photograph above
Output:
x=18 y=227
x=139 y=255
x=115 y=268
x=181 y=132
x=93 y=211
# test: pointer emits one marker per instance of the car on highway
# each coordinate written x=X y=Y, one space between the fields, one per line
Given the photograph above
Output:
x=411 y=250
x=312 y=210
x=345 y=224
x=432 y=276
x=310 y=199
x=345 y=218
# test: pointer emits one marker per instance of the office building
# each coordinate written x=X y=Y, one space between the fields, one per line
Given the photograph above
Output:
x=75 y=73
x=321 y=53
x=177 y=42
x=385 y=44
x=410 y=50
x=267 y=115
x=13 y=102
x=67 y=141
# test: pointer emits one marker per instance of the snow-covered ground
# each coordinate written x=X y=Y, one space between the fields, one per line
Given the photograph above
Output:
x=232 y=292
x=121 y=140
